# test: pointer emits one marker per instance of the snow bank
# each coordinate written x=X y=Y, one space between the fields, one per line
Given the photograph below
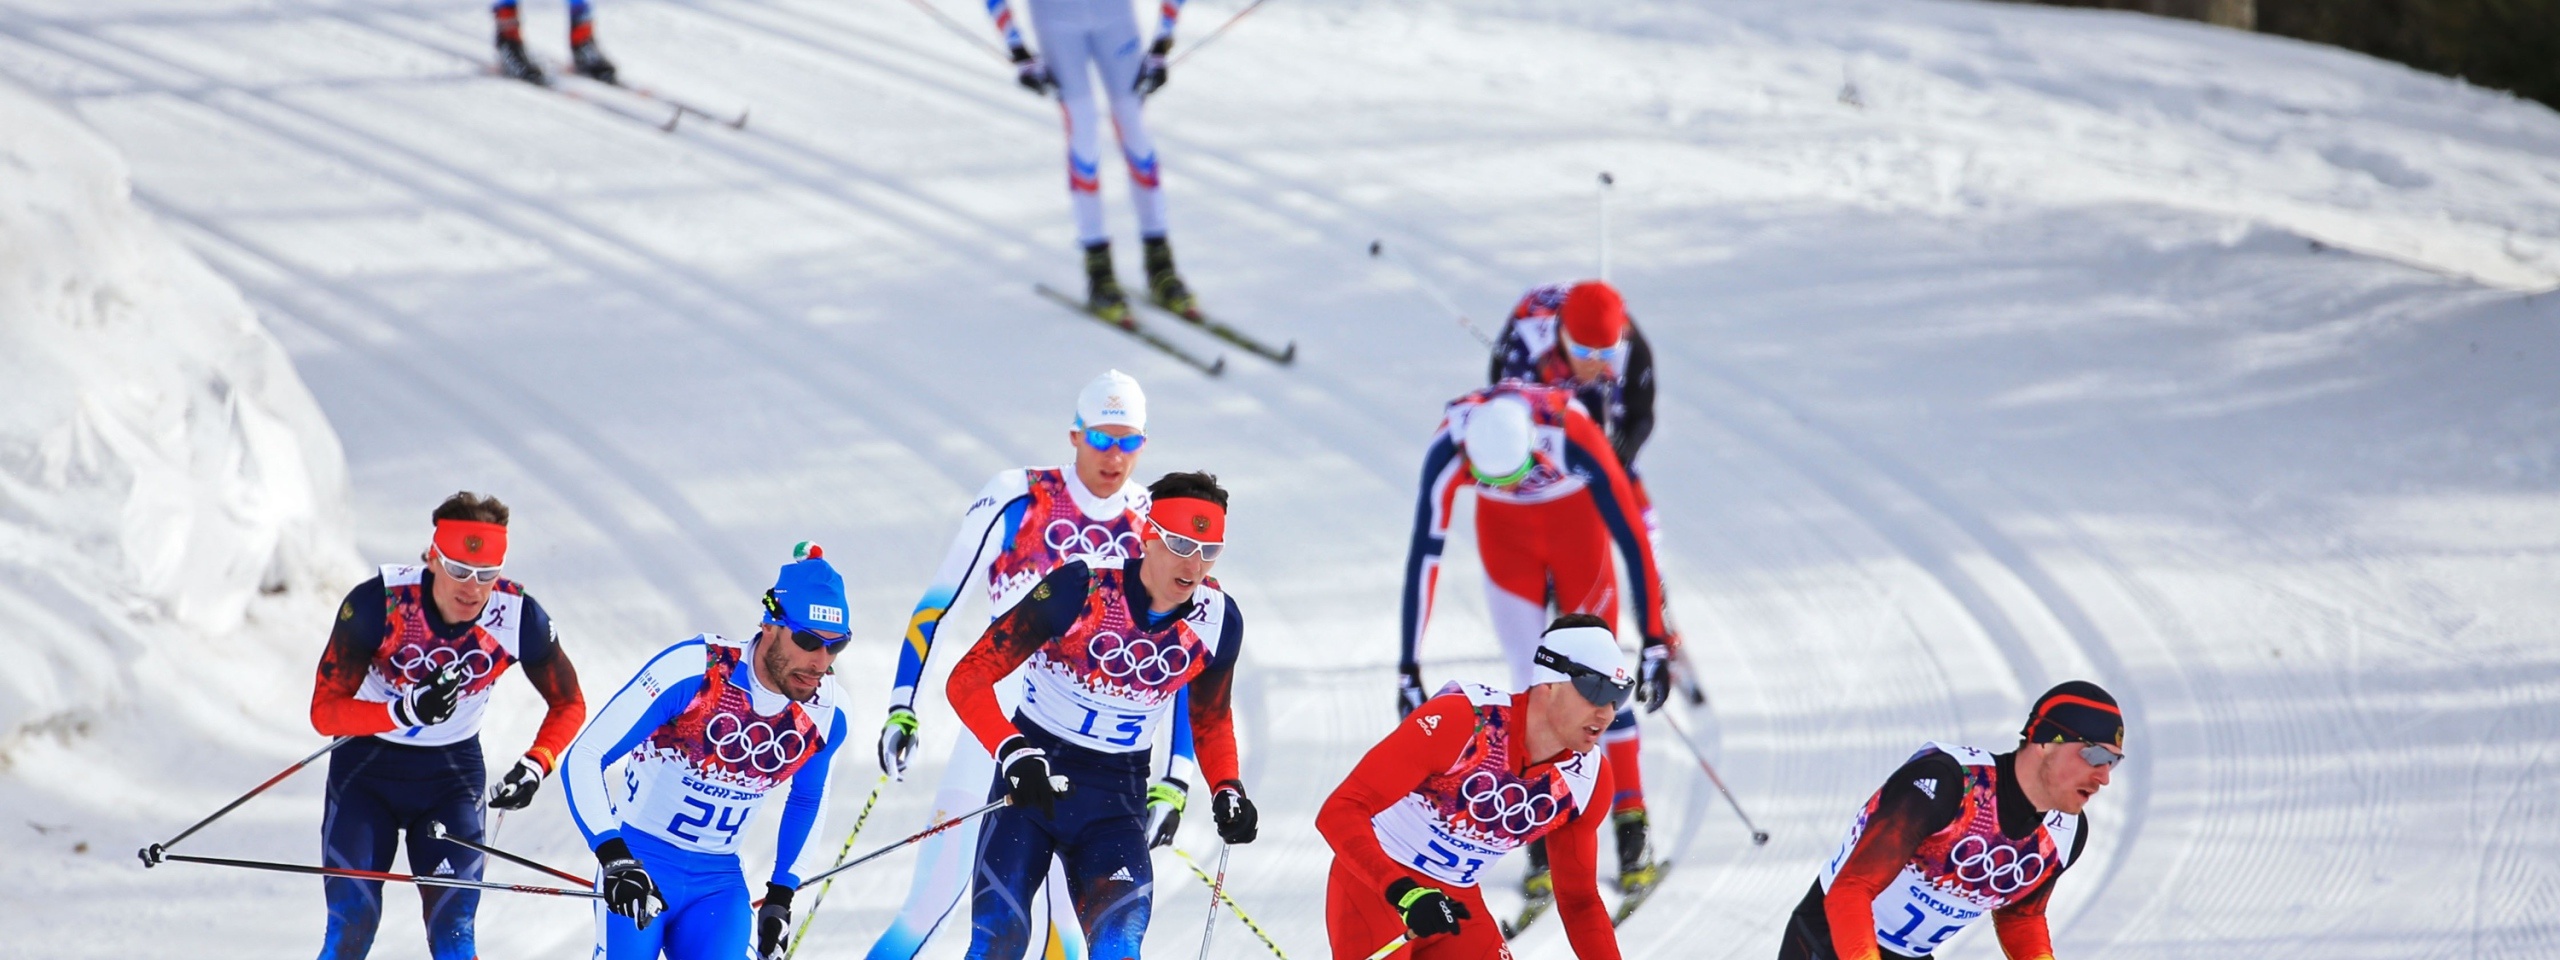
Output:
x=163 y=472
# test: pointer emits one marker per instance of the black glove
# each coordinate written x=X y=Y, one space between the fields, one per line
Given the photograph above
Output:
x=1653 y=676
x=626 y=885
x=1032 y=73
x=515 y=791
x=1151 y=71
x=897 y=742
x=1427 y=912
x=1026 y=768
x=1409 y=694
x=432 y=702
x=773 y=923
x=1233 y=811
x=1165 y=800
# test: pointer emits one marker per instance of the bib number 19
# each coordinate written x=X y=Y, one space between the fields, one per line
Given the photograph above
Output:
x=1901 y=939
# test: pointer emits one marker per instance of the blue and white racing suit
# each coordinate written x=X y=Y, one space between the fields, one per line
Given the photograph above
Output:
x=703 y=745
x=1078 y=40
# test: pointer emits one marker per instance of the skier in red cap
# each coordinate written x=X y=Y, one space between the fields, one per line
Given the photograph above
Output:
x=1577 y=336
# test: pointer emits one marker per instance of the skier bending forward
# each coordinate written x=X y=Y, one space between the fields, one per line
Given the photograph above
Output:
x=1472 y=774
x=709 y=729
x=1104 y=646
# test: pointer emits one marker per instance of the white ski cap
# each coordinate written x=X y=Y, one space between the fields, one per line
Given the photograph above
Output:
x=1593 y=647
x=1112 y=399
x=1498 y=437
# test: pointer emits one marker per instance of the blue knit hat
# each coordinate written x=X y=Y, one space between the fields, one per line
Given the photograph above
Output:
x=808 y=594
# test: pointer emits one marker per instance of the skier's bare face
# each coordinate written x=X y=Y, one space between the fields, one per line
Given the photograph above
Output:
x=1565 y=720
x=1103 y=471
x=457 y=600
x=2055 y=776
x=786 y=668
x=1170 y=576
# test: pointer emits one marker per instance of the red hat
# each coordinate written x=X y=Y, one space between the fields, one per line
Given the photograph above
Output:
x=1593 y=314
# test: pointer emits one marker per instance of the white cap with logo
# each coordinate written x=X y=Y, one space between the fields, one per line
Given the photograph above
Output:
x=1592 y=648
x=1112 y=399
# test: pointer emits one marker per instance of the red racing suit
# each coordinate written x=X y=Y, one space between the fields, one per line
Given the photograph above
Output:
x=1551 y=531
x=1948 y=838
x=1443 y=797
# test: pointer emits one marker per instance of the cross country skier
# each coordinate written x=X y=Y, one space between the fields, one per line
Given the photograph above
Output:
x=408 y=673
x=1957 y=832
x=1080 y=39
x=1024 y=524
x=1472 y=774
x=1550 y=499
x=1105 y=646
x=707 y=731
x=585 y=57
x=1578 y=336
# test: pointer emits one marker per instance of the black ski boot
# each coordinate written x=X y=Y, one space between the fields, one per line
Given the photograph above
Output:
x=512 y=61
x=584 y=56
x=1102 y=285
x=1637 y=871
x=1165 y=287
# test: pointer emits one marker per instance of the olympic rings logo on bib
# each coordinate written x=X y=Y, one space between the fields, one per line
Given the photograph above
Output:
x=1142 y=660
x=416 y=663
x=754 y=744
x=2007 y=870
x=1508 y=805
x=1069 y=539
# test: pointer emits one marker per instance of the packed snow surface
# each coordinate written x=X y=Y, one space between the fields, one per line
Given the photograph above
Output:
x=1998 y=345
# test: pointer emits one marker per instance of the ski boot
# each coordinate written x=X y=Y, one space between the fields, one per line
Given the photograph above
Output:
x=584 y=56
x=512 y=61
x=1102 y=286
x=1165 y=287
x=1637 y=871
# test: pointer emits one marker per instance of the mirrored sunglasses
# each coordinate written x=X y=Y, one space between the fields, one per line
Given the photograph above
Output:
x=1580 y=352
x=2100 y=755
x=1598 y=688
x=813 y=641
x=457 y=570
x=1103 y=442
x=1183 y=546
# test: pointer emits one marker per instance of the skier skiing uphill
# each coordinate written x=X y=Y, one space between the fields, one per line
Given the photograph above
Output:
x=1022 y=526
x=1104 y=646
x=408 y=672
x=707 y=731
x=1550 y=499
x=585 y=57
x=1578 y=336
x=1957 y=832
x=1472 y=774
x=1080 y=39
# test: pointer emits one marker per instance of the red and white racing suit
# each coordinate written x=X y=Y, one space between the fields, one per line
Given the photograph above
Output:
x=1442 y=798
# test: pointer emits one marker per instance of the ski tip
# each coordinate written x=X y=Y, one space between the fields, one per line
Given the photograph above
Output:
x=672 y=120
x=1289 y=354
x=741 y=122
x=1218 y=367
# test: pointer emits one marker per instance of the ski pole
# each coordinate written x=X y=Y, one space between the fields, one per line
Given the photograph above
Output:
x=1378 y=248
x=354 y=874
x=1231 y=904
x=1391 y=947
x=153 y=854
x=1213 y=34
x=1759 y=837
x=965 y=33
x=801 y=933
x=1217 y=891
x=435 y=828
x=884 y=851
x=1606 y=183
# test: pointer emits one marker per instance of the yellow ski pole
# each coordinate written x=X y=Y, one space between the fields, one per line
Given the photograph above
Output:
x=802 y=932
x=1231 y=903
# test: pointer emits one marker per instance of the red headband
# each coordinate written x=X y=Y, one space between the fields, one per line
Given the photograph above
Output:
x=472 y=542
x=1190 y=517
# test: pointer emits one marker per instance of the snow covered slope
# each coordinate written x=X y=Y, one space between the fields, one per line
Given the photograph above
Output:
x=2210 y=366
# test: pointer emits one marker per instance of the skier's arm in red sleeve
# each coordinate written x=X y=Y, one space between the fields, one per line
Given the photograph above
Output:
x=335 y=711
x=1905 y=815
x=1573 y=861
x=1424 y=743
x=566 y=708
x=2021 y=925
x=1009 y=641
x=1213 y=731
x=1621 y=508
